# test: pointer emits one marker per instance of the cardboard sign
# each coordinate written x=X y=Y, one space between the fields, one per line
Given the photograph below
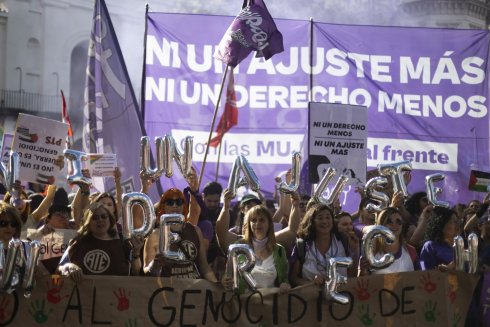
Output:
x=337 y=137
x=53 y=244
x=406 y=299
x=102 y=164
x=39 y=142
x=479 y=181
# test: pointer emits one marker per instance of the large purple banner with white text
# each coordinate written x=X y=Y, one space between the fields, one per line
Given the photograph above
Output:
x=425 y=89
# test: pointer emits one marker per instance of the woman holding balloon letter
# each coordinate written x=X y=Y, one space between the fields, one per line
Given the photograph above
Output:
x=271 y=267
x=319 y=241
x=193 y=263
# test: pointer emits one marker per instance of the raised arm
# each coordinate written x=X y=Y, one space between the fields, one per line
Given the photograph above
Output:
x=194 y=207
x=287 y=236
x=42 y=209
x=223 y=235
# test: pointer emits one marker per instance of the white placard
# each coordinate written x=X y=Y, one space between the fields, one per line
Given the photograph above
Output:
x=39 y=142
x=337 y=138
x=101 y=164
x=6 y=147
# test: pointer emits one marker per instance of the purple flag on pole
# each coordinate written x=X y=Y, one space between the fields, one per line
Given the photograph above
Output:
x=252 y=29
x=111 y=116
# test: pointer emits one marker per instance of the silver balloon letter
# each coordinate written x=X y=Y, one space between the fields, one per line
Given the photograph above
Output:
x=372 y=193
x=167 y=236
x=128 y=202
x=31 y=264
x=470 y=255
x=295 y=175
x=395 y=170
x=241 y=261
x=335 y=279
x=75 y=159
x=367 y=248
x=322 y=186
x=145 y=158
x=249 y=178
x=433 y=191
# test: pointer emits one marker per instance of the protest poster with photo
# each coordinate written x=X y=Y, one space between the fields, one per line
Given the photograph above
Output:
x=39 y=142
x=6 y=147
x=101 y=164
x=337 y=137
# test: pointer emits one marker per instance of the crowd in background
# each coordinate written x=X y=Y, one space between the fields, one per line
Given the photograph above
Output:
x=292 y=236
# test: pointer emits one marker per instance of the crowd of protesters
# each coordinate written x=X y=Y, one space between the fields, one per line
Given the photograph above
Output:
x=292 y=236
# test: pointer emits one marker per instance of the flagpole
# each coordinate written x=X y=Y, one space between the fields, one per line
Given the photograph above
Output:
x=311 y=60
x=212 y=125
x=219 y=152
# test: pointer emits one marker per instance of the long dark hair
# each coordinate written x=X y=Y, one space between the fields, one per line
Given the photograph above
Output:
x=307 y=230
x=437 y=220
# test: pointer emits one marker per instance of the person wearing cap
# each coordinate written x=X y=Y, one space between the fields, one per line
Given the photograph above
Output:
x=57 y=219
x=285 y=236
x=30 y=218
x=247 y=202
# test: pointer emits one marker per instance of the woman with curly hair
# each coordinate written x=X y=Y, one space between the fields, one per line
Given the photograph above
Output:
x=98 y=249
x=271 y=265
x=319 y=241
x=442 y=227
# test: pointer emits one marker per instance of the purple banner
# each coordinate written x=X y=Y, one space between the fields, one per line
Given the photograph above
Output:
x=111 y=114
x=425 y=90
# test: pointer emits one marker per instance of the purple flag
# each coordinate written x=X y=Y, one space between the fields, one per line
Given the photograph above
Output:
x=252 y=29
x=111 y=116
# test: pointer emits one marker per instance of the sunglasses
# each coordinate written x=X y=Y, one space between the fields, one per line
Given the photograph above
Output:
x=97 y=217
x=5 y=223
x=398 y=222
x=171 y=202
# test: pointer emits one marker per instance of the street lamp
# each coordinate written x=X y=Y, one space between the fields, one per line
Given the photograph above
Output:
x=20 y=77
x=57 y=81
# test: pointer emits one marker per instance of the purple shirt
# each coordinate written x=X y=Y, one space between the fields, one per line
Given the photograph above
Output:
x=434 y=253
x=207 y=229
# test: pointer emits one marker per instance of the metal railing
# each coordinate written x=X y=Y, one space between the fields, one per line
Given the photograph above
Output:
x=29 y=102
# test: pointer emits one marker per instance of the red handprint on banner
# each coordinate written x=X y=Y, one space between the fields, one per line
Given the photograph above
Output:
x=123 y=301
x=54 y=289
x=427 y=284
x=362 y=289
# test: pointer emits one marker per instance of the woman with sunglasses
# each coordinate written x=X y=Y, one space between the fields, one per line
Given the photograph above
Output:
x=99 y=250
x=190 y=244
x=406 y=258
x=319 y=240
x=10 y=223
x=22 y=204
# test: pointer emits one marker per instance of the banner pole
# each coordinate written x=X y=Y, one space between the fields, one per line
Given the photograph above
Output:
x=212 y=126
x=219 y=154
x=311 y=60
